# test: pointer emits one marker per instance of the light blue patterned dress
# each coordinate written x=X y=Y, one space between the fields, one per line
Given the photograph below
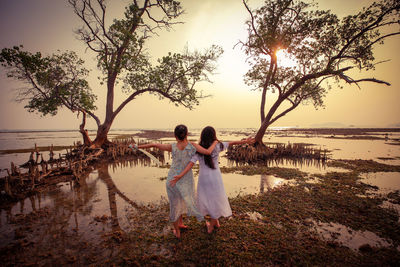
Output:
x=182 y=196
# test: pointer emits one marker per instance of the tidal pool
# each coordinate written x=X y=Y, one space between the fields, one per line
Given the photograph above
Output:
x=348 y=237
x=385 y=181
x=101 y=202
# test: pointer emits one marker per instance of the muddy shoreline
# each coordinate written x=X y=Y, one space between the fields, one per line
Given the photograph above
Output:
x=312 y=220
x=272 y=228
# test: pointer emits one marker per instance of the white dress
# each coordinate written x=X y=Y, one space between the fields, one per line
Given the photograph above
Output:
x=211 y=197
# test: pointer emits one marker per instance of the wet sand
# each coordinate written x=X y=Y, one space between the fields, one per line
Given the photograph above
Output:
x=341 y=214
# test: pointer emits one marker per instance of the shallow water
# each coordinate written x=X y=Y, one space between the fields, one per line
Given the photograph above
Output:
x=348 y=237
x=28 y=139
x=101 y=202
x=109 y=192
x=339 y=148
x=385 y=181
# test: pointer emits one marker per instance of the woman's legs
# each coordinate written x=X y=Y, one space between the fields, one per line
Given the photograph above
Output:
x=180 y=223
x=175 y=227
x=210 y=225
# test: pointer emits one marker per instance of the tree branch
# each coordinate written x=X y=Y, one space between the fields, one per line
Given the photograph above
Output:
x=254 y=28
x=294 y=105
x=382 y=37
x=350 y=80
x=82 y=15
x=363 y=31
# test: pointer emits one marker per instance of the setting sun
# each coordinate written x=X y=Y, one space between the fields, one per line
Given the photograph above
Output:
x=284 y=59
x=260 y=132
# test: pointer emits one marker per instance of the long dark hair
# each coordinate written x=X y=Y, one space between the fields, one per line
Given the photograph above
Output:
x=181 y=132
x=207 y=137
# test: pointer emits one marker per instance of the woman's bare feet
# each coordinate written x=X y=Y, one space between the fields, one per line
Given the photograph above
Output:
x=180 y=223
x=175 y=227
x=177 y=233
x=210 y=227
x=217 y=224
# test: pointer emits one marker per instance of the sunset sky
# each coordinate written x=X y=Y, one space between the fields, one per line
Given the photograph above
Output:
x=47 y=25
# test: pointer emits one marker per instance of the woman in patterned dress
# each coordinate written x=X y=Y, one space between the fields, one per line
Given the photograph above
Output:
x=211 y=196
x=181 y=196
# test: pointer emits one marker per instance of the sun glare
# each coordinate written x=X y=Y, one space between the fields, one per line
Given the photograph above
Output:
x=284 y=59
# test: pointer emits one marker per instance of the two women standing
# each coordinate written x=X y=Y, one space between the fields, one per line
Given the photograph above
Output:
x=211 y=197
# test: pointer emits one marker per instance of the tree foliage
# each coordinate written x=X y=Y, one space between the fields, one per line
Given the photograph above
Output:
x=122 y=59
x=54 y=81
x=323 y=47
x=174 y=77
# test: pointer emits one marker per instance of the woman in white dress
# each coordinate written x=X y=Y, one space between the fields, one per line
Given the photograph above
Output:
x=211 y=196
x=181 y=197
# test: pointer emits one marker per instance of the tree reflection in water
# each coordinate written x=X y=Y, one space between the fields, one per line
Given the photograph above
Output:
x=104 y=175
x=270 y=182
x=67 y=209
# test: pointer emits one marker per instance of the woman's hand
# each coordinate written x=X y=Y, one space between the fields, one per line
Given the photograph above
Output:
x=133 y=147
x=250 y=140
x=173 y=182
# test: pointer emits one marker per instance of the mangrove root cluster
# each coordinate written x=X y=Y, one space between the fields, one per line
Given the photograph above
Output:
x=22 y=180
x=266 y=153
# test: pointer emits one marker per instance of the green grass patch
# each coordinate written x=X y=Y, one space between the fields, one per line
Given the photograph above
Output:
x=360 y=165
x=283 y=234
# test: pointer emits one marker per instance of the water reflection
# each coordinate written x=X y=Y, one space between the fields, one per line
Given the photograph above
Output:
x=67 y=208
x=112 y=191
x=305 y=165
x=347 y=236
x=385 y=181
x=98 y=202
x=270 y=182
x=298 y=163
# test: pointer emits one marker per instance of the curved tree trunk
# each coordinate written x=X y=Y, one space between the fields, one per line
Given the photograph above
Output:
x=101 y=137
x=268 y=120
x=261 y=132
x=103 y=129
x=86 y=139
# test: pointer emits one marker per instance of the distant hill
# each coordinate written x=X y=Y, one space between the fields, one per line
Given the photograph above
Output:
x=395 y=125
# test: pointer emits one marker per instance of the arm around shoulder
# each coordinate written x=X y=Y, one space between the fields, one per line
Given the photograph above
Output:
x=204 y=151
x=249 y=140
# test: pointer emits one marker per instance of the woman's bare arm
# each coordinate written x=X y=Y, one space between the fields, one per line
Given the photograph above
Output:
x=164 y=147
x=204 y=151
x=179 y=176
x=249 y=140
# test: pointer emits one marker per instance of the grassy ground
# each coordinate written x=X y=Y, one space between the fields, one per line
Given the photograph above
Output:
x=275 y=228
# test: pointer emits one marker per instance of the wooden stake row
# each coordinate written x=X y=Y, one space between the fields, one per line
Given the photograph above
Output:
x=75 y=161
